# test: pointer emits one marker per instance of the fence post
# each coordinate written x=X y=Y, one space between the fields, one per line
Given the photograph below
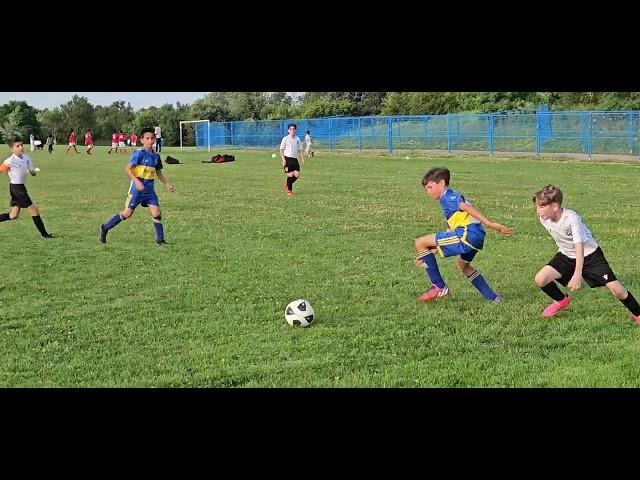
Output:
x=359 y=134
x=490 y=131
x=590 y=144
x=330 y=137
x=537 y=135
x=232 y=133
x=630 y=130
x=449 y=133
x=389 y=135
x=426 y=130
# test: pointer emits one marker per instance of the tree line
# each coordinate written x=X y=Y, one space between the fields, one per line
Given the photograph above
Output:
x=19 y=118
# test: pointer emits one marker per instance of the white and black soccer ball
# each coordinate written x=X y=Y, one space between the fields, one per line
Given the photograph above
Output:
x=299 y=313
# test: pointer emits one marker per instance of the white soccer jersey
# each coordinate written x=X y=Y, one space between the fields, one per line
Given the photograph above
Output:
x=568 y=231
x=307 y=139
x=291 y=146
x=18 y=168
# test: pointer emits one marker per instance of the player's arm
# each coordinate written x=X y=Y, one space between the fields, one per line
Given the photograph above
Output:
x=4 y=168
x=136 y=182
x=284 y=162
x=465 y=207
x=576 y=280
x=164 y=180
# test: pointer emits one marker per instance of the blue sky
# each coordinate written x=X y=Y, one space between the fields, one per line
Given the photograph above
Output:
x=138 y=100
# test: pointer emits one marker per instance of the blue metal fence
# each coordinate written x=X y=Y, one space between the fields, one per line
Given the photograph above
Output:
x=614 y=132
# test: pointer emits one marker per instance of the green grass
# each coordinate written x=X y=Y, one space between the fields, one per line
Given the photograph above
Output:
x=208 y=310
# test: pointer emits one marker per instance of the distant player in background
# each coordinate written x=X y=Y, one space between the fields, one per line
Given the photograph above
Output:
x=72 y=142
x=158 y=134
x=122 y=142
x=290 y=150
x=88 y=141
x=50 y=143
x=114 y=141
x=134 y=141
x=308 y=143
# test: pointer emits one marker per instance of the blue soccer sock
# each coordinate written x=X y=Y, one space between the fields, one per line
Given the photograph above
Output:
x=115 y=220
x=481 y=284
x=431 y=268
x=159 y=228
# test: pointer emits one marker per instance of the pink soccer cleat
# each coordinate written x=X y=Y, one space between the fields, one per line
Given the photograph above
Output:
x=555 y=307
x=433 y=293
x=636 y=319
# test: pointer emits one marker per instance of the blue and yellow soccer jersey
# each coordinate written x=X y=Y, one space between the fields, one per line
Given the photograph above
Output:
x=145 y=164
x=450 y=202
x=467 y=233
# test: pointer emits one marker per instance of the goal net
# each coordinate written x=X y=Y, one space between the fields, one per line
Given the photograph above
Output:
x=195 y=134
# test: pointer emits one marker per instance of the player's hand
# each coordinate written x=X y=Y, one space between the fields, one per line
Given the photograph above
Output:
x=170 y=187
x=575 y=283
x=419 y=262
x=501 y=228
x=139 y=185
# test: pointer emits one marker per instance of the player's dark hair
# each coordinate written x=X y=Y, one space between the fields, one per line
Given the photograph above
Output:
x=548 y=195
x=435 y=175
x=147 y=130
x=13 y=140
x=308 y=132
x=292 y=125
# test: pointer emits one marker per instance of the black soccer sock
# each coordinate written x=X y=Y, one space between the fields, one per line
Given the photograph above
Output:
x=290 y=183
x=4 y=217
x=294 y=179
x=38 y=221
x=553 y=291
x=632 y=304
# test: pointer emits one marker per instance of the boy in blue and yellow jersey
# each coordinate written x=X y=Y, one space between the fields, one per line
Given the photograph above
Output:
x=464 y=237
x=143 y=167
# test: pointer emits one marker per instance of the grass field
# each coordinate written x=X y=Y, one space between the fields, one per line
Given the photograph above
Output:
x=207 y=310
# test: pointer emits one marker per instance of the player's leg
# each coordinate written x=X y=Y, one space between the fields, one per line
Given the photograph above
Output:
x=463 y=263
x=130 y=205
x=156 y=216
x=67 y=150
x=625 y=296
x=11 y=215
x=289 y=184
x=35 y=216
x=547 y=280
x=425 y=246
x=294 y=178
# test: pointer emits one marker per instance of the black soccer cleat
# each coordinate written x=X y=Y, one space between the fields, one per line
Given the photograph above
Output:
x=161 y=243
x=48 y=235
x=103 y=234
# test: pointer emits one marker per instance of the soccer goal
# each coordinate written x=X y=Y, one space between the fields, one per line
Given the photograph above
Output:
x=195 y=134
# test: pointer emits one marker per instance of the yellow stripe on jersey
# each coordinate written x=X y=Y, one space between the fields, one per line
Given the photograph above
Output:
x=459 y=219
x=142 y=171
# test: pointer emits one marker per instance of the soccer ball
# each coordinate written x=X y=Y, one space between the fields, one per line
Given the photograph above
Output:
x=299 y=313
x=273 y=155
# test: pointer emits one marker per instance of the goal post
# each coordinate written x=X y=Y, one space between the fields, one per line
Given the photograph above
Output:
x=207 y=136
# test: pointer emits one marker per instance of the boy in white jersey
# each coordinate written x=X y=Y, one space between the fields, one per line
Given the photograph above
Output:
x=17 y=166
x=290 y=149
x=579 y=256
x=308 y=142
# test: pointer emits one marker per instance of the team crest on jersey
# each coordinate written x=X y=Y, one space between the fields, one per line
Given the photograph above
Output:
x=568 y=232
